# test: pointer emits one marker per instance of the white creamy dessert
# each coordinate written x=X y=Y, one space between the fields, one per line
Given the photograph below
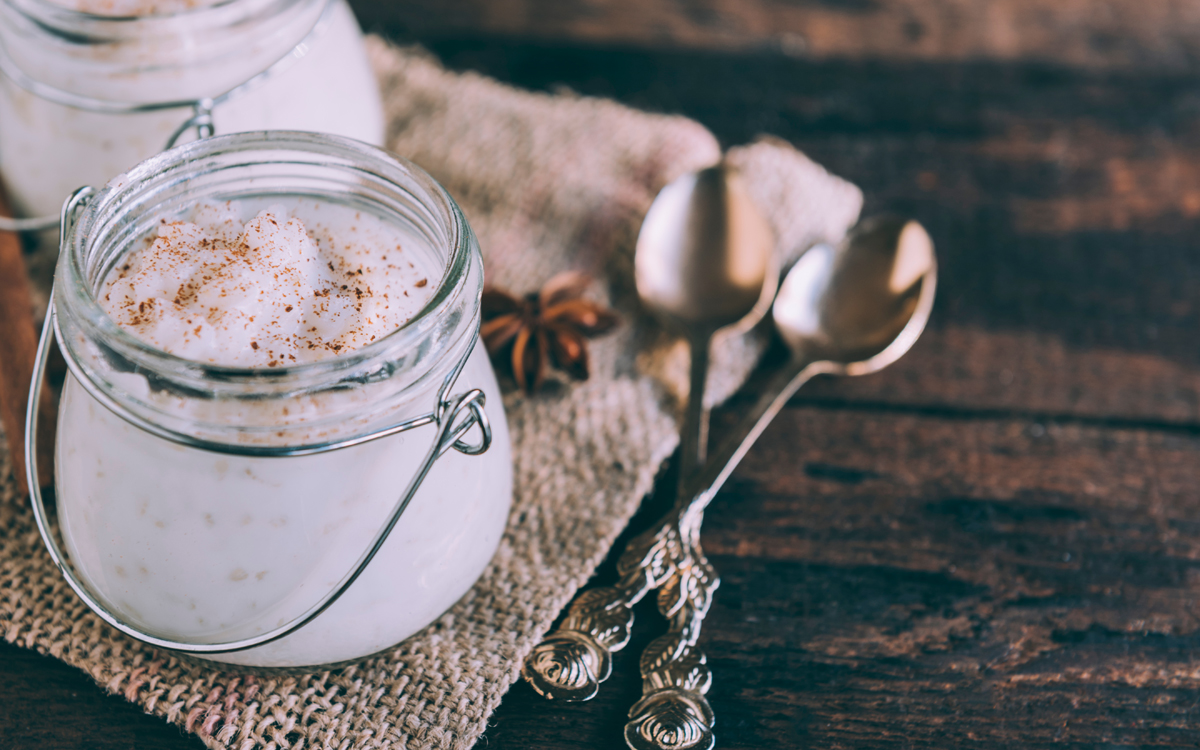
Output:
x=186 y=50
x=207 y=547
x=267 y=293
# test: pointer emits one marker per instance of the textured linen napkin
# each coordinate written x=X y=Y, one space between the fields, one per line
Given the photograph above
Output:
x=549 y=183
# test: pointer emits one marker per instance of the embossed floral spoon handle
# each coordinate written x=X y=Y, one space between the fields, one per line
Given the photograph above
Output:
x=572 y=661
x=703 y=262
x=673 y=712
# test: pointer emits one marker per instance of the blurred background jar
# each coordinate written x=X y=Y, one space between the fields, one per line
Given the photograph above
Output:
x=92 y=87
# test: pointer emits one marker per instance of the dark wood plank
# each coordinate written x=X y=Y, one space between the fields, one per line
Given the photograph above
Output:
x=893 y=550
x=910 y=581
x=47 y=705
x=1062 y=202
x=1104 y=33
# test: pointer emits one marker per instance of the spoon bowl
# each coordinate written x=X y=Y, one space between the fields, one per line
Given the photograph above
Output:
x=704 y=256
x=849 y=311
x=860 y=307
x=704 y=261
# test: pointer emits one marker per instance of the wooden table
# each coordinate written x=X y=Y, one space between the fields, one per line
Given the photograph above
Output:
x=996 y=541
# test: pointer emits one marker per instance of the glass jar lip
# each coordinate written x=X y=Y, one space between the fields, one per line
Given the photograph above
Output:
x=75 y=290
x=65 y=19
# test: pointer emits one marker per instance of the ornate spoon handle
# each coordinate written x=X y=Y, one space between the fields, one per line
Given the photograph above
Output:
x=673 y=713
x=572 y=661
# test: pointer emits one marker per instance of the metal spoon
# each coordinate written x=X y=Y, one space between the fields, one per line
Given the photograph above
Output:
x=703 y=262
x=849 y=311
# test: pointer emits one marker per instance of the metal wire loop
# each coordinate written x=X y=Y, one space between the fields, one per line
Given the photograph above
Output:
x=473 y=402
x=202 y=121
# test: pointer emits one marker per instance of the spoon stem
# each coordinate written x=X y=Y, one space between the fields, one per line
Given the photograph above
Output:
x=693 y=436
x=733 y=449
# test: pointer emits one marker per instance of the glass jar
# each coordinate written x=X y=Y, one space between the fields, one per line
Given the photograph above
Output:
x=85 y=97
x=203 y=505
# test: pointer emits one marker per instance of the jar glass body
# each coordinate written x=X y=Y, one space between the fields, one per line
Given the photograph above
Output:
x=48 y=148
x=210 y=546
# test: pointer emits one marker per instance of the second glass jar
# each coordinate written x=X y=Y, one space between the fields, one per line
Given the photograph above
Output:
x=88 y=72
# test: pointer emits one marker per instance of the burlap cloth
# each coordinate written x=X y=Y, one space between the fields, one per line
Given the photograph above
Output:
x=548 y=183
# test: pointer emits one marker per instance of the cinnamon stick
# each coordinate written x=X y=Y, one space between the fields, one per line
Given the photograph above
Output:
x=18 y=348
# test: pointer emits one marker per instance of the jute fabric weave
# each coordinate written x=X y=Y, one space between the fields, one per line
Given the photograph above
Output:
x=549 y=183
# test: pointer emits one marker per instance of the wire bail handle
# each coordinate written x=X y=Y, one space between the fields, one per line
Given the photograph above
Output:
x=454 y=416
x=201 y=120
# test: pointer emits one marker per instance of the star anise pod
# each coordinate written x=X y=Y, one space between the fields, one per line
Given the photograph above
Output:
x=549 y=327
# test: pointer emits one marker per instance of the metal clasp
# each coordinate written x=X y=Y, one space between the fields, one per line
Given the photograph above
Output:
x=201 y=120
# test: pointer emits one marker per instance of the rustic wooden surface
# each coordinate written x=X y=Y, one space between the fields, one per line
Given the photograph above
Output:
x=997 y=541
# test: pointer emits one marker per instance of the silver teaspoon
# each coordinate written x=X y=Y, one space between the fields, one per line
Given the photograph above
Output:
x=849 y=311
x=703 y=262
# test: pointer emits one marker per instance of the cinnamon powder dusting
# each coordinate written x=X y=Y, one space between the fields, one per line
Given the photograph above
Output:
x=270 y=292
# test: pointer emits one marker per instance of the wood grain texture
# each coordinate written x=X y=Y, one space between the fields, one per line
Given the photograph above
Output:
x=994 y=542
x=1094 y=33
x=914 y=581
x=1062 y=203
x=18 y=346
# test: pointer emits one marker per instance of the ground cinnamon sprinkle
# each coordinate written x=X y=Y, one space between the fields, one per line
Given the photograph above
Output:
x=269 y=292
x=18 y=349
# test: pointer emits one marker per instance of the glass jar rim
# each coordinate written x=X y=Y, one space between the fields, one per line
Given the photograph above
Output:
x=67 y=20
x=75 y=290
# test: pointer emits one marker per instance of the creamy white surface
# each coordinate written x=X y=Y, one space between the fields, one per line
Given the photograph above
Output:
x=206 y=547
x=48 y=150
x=270 y=291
